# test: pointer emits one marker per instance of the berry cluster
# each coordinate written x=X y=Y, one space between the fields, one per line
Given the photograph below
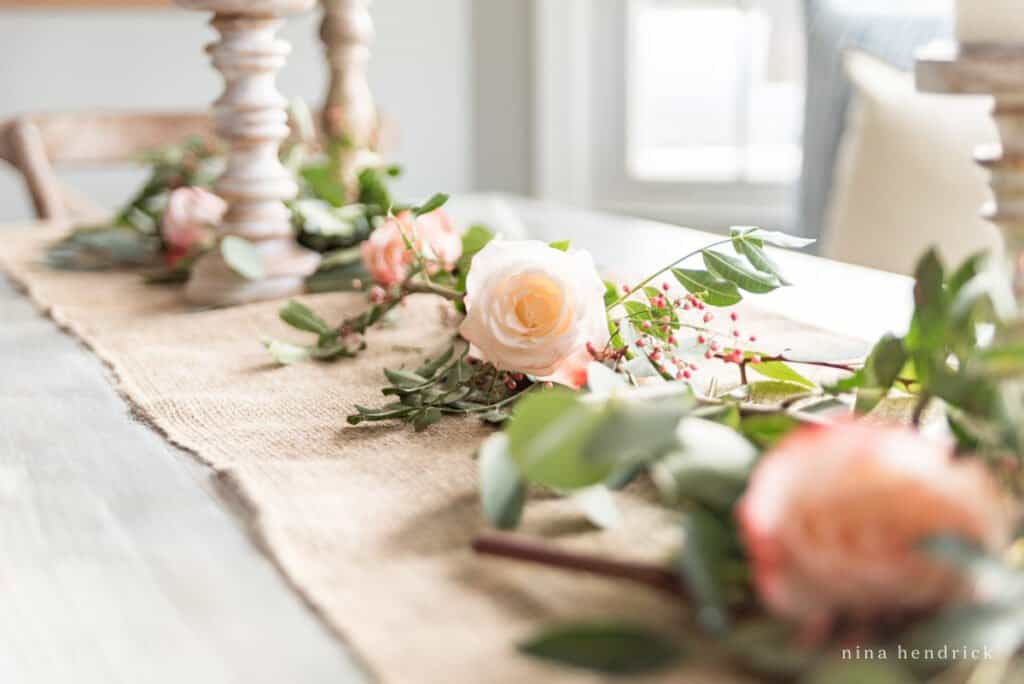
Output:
x=658 y=323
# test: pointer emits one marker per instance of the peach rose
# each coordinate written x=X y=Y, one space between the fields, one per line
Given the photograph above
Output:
x=533 y=309
x=385 y=255
x=188 y=220
x=834 y=516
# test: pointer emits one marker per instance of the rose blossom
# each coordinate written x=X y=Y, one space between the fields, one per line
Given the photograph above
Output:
x=533 y=309
x=834 y=516
x=386 y=257
x=188 y=220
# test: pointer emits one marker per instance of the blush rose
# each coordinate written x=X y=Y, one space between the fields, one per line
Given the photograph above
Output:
x=534 y=309
x=834 y=517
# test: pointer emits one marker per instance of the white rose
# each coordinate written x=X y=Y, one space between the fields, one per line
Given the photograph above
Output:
x=533 y=309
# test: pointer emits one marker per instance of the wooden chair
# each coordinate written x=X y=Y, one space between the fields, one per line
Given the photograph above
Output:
x=35 y=145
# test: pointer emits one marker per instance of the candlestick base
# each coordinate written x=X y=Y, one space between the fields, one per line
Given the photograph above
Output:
x=286 y=266
x=251 y=116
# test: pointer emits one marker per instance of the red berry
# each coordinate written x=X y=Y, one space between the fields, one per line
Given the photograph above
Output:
x=734 y=316
x=700 y=339
x=708 y=318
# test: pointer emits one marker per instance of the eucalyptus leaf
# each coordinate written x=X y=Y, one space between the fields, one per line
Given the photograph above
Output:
x=598 y=505
x=608 y=648
x=502 y=490
x=548 y=438
x=286 y=353
x=707 y=548
x=242 y=257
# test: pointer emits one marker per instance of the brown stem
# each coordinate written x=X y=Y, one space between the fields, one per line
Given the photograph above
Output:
x=508 y=546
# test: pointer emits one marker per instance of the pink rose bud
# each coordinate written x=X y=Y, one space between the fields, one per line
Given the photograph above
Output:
x=387 y=258
x=188 y=221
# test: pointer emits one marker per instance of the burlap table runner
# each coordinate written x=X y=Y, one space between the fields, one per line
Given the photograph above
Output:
x=371 y=525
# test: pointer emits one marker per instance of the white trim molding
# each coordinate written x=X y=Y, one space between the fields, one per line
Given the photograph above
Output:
x=562 y=73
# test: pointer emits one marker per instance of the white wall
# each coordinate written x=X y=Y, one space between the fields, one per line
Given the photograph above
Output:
x=70 y=60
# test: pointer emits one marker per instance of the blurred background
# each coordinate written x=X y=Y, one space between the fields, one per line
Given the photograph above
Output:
x=705 y=113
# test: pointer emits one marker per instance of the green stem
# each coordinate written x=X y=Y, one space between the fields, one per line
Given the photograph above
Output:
x=675 y=263
x=430 y=287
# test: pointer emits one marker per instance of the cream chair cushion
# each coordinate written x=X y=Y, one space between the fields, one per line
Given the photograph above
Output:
x=905 y=178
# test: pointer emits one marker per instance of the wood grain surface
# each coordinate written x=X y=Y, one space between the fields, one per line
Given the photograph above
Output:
x=120 y=561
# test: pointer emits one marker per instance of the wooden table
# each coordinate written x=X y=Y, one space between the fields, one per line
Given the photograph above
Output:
x=120 y=560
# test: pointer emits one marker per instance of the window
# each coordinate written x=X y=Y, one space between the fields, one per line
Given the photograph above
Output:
x=714 y=90
x=688 y=111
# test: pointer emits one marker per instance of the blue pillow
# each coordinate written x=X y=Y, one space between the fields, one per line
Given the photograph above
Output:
x=892 y=30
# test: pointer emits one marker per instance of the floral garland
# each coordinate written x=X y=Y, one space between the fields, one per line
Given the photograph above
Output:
x=792 y=554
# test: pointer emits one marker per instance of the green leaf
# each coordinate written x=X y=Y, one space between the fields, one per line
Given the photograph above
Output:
x=735 y=271
x=242 y=257
x=323 y=184
x=300 y=316
x=285 y=353
x=404 y=379
x=887 y=360
x=432 y=204
x=760 y=260
x=714 y=291
x=561 y=245
x=430 y=368
x=774 y=392
x=706 y=550
x=608 y=648
x=771 y=237
x=767 y=430
x=777 y=370
x=426 y=417
x=502 y=490
x=611 y=293
x=475 y=239
x=547 y=438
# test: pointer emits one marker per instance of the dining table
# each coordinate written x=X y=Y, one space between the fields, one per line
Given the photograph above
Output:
x=123 y=559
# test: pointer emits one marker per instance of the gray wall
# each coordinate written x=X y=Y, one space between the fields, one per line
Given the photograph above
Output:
x=455 y=74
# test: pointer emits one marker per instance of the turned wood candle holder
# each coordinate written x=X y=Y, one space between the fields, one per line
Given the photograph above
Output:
x=251 y=116
x=350 y=113
x=996 y=70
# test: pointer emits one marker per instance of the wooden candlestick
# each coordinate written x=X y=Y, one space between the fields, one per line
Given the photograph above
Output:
x=251 y=116
x=350 y=113
x=996 y=70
